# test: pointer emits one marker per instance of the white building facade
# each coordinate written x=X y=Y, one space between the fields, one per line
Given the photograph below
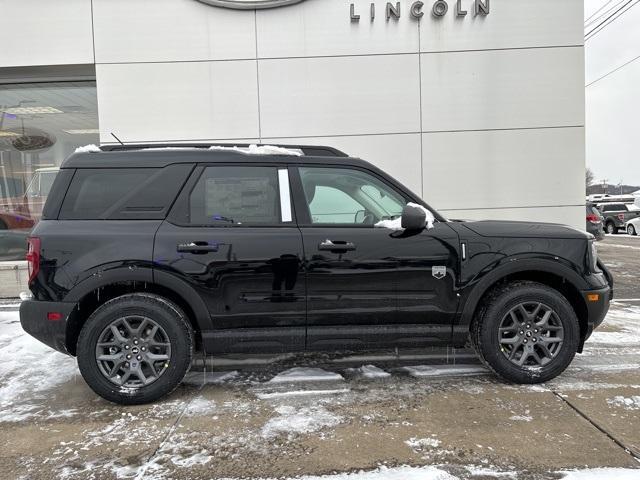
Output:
x=477 y=105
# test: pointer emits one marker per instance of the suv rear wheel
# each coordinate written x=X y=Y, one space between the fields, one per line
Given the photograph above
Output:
x=135 y=348
x=526 y=332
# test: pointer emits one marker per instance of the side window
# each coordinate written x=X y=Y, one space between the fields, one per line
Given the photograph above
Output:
x=94 y=191
x=236 y=195
x=348 y=196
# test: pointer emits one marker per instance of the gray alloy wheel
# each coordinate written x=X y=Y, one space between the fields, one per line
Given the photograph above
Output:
x=530 y=334
x=611 y=228
x=631 y=230
x=133 y=351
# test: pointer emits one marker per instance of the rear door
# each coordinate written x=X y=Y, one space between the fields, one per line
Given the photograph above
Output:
x=233 y=237
x=367 y=286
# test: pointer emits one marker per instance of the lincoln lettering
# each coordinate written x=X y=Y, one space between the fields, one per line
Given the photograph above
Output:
x=437 y=9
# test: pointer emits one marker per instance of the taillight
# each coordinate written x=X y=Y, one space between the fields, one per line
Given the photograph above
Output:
x=593 y=218
x=621 y=217
x=33 y=257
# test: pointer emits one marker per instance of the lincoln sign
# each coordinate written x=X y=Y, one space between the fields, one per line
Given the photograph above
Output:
x=439 y=9
x=417 y=9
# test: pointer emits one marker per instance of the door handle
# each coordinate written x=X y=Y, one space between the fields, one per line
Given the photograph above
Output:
x=196 y=247
x=336 y=246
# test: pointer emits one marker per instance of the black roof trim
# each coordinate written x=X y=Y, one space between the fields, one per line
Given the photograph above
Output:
x=308 y=150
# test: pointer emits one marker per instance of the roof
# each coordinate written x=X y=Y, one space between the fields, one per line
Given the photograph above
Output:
x=121 y=156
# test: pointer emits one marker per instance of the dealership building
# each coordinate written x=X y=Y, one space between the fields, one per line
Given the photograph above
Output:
x=476 y=104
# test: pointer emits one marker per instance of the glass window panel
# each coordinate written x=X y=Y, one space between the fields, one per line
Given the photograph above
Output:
x=41 y=124
x=348 y=196
x=236 y=196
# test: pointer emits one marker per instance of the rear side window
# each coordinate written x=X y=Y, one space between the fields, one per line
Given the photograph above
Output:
x=235 y=195
x=123 y=193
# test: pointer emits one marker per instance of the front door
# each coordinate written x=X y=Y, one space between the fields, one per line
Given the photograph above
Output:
x=370 y=287
x=233 y=237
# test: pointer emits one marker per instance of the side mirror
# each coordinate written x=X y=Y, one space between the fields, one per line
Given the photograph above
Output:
x=359 y=216
x=413 y=218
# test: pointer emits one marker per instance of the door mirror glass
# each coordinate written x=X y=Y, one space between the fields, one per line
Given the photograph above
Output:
x=359 y=216
x=413 y=218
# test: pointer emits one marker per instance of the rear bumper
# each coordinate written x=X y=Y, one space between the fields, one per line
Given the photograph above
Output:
x=34 y=321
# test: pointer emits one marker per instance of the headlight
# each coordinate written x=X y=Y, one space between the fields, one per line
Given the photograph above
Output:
x=593 y=254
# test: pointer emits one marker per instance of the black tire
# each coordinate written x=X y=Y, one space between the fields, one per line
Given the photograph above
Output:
x=631 y=230
x=165 y=314
x=498 y=304
x=3 y=226
x=611 y=228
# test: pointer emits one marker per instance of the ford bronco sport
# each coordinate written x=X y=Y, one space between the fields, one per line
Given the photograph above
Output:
x=145 y=255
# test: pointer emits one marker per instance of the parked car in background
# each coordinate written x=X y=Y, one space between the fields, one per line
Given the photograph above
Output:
x=38 y=190
x=606 y=198
x=595 y=221
x=22 y=211
x=633 y=226
x=145 y=255
x=616 y=215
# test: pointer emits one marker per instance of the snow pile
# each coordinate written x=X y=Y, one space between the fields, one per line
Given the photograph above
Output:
x=370 y=371
x=396 y=223
x=260 y=150
x=27 y=370
x=419 y=444
x=304 y=420
x=444 y=370
x=302 y=374
x=629 y=403
x=88 y=149
x=300 y=393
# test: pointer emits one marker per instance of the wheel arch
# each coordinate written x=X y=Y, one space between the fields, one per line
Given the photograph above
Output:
x=93 y=294
x=562 y=279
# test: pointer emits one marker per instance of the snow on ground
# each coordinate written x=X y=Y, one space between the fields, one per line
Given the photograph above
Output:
x=419 y=444
x=292 y=421
x=602 y=474
x=369 y=371
x=437 y=473
x=444 y=370
x=630 y=403
x=28 y=369
x=304 y=374
x=626 y=320
x=202 y=378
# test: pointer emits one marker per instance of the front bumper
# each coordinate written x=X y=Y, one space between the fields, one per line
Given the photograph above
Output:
x=34 y=321
x=597 y=309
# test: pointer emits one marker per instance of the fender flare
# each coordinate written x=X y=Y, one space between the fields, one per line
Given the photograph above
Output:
x=508 y=267
x=150 y=276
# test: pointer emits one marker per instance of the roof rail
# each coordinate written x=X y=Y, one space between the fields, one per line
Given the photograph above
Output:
x=308 y=150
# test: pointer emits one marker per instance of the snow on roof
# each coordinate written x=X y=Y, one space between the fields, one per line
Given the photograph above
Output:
x=251 y=149
x=88 y=149
x=261 y=150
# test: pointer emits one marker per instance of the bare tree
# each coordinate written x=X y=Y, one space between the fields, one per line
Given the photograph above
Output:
x=589 y=177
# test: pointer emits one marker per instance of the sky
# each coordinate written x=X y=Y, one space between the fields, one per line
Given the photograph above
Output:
x=613 y=99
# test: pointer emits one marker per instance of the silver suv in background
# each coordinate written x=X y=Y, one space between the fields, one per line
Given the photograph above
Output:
x=616 y=215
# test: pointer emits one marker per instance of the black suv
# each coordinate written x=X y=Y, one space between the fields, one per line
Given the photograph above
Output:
x=145 y=255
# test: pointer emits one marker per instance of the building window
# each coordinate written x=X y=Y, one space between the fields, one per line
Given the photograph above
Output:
x=41 y=124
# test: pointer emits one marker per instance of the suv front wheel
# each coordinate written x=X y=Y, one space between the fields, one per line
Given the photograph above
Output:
x=526 y=332
x=135 y=348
